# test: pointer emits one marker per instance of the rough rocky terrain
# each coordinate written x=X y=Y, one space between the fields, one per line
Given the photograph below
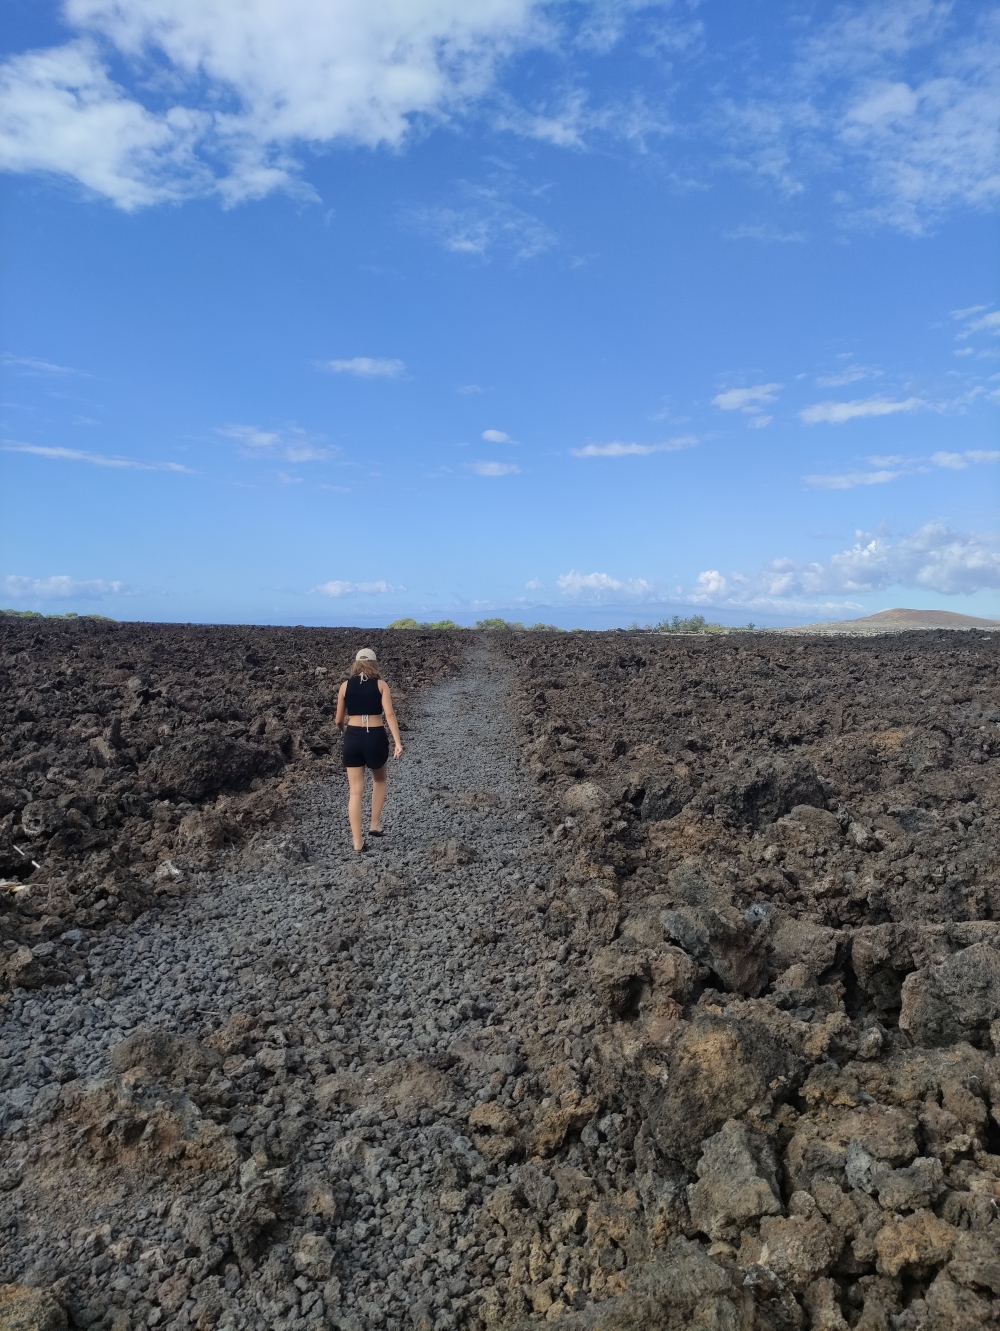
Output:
x=132 y=755
x=671 y=1000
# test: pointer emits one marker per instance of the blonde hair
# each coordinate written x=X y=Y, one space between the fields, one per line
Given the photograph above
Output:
x=367 y=668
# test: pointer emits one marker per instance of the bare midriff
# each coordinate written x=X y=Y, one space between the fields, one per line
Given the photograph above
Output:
x=374 y=720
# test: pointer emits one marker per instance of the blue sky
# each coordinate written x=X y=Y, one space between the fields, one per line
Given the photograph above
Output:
x=590 y=313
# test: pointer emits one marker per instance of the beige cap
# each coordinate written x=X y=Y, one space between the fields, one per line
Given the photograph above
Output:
x=366 y=654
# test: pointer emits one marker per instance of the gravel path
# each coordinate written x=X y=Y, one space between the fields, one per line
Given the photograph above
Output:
x=384 y=998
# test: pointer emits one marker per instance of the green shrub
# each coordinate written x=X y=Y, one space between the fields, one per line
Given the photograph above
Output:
x=696 y=624
x=412 y=624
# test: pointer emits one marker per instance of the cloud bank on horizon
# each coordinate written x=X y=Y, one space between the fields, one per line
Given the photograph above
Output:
x=408 y=223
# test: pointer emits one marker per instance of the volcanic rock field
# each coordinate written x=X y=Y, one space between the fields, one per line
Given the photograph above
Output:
x=670 y=999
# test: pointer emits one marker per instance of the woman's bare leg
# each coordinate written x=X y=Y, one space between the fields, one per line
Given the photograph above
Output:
x=356 y=783
x=378 y=796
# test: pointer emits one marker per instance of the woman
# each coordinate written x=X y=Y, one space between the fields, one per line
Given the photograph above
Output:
x=364 y=707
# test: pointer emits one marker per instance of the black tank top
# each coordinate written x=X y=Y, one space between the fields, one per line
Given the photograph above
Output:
x=363 y=697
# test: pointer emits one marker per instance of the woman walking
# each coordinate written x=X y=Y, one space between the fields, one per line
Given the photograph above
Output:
x=364 y=708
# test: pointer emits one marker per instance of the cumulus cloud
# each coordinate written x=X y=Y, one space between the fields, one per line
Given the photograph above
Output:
x=746 y=399
x=94 y=459
x=61 y=112
x=836 y=413
x=61 y=587
x=601 y=586
x=365 y=367
x=233 y=91
x=493 y=468
x=497 y=437
x=934 y=558
x=534 y=585
x=338 y=588
x=623 y=450
x=290 y=443
x=161 y=100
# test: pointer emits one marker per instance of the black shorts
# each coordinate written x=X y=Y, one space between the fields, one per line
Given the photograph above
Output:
x=366 y=748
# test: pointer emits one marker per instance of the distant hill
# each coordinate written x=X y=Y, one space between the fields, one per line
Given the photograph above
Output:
x=899 y=621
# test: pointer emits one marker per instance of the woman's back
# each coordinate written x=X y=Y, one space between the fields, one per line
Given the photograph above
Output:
x=363 y=697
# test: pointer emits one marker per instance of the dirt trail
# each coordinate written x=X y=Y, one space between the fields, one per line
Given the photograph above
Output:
x=293 y=1147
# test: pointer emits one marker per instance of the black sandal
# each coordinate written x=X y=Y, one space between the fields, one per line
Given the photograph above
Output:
x=374 y=831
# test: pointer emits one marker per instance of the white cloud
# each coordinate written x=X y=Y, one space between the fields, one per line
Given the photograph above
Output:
x=467 y=389
x=749 y=400
x=497 y=437
x=623 y=450
x=602 y=585
x=94 y=459
x=224 y=99
x=237 y=89
x=486 y=221
x=850 y=480
x=766 y=234
x=968 y=312
x=933 y=558
x=290 y=443
x=60 y=588
x=339 y=588
x=890 y=467
x=836 y=413
x=534 y=585
x=31 y=365
x=60 y=112
x=365 y=367
x=711 y=584
x=987 y=323
x=494 y=468
x=851 y=375
x=959 y=461
x=887 y=96
x=759 y=422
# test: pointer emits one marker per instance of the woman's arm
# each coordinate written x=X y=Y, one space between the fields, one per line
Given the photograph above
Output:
x=341 y=706
x=390 y=717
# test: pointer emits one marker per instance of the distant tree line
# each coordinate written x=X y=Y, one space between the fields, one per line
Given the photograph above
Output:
x=694 y=624
x=489 y=625
x=35 y=614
